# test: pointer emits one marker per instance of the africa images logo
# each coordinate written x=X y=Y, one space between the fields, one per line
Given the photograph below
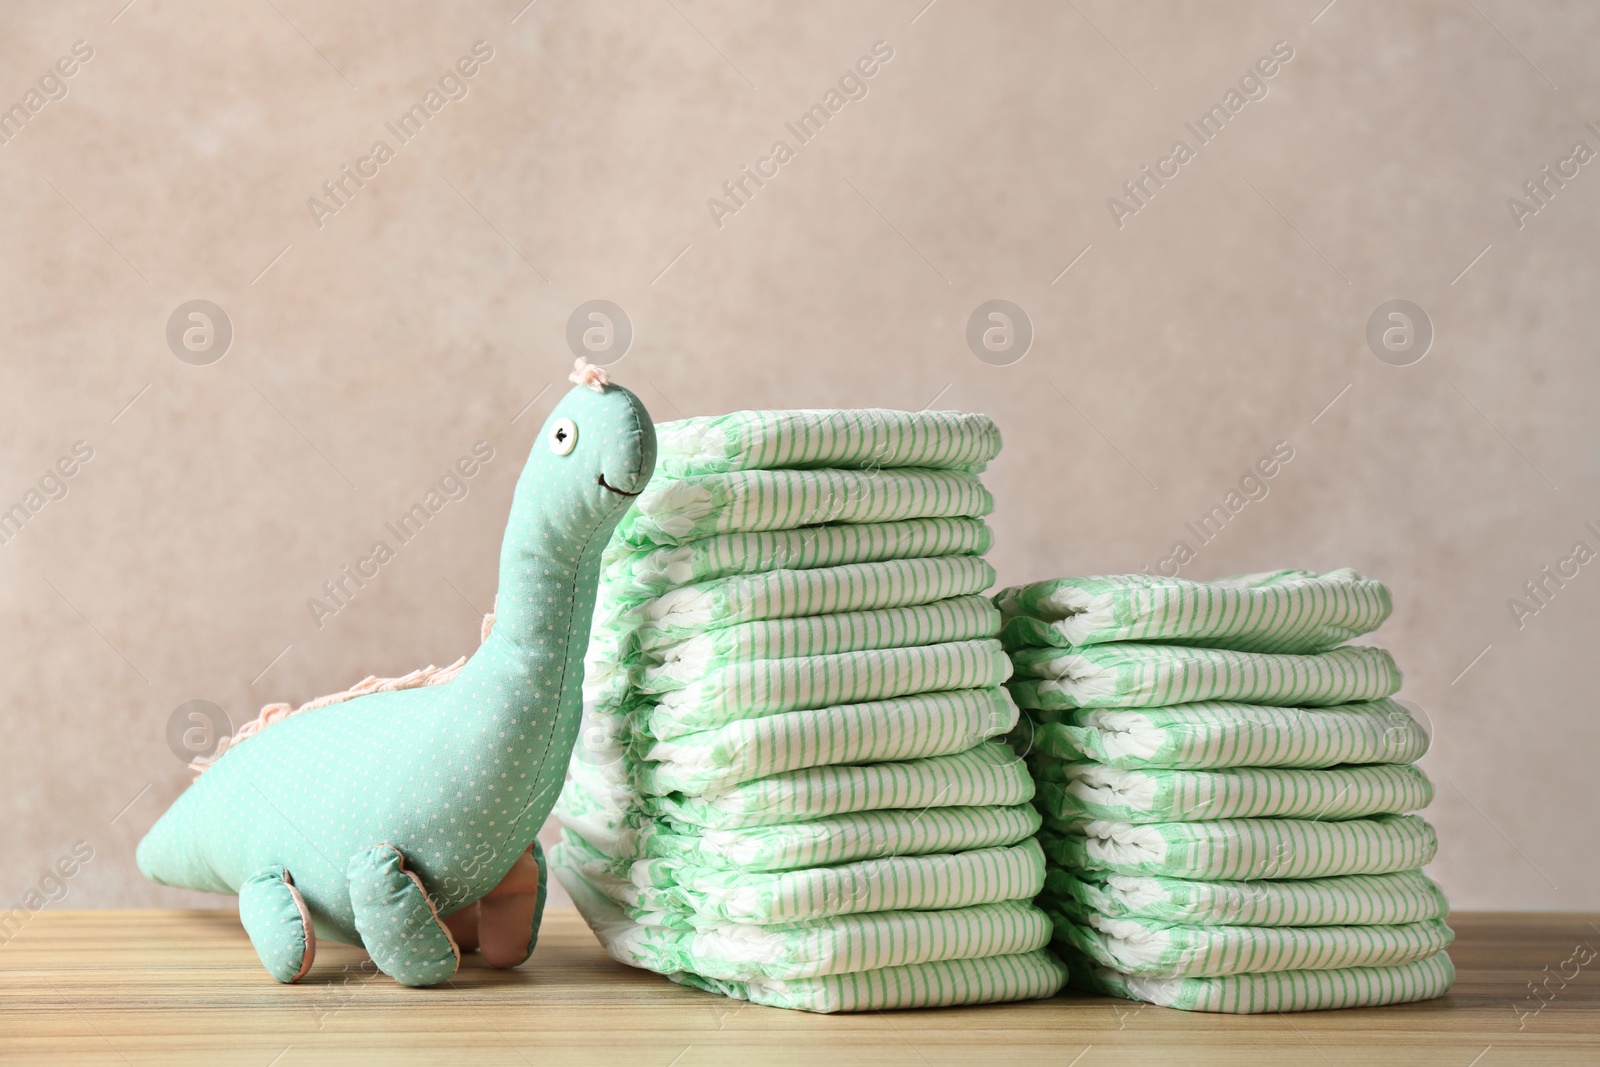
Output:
x=1252 y=85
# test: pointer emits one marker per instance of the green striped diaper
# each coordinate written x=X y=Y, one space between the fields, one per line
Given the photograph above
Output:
x=849 y=943
x=1145 y=676
x=626 y=637
x=863 y=438
x=962 y=618
x=608 y=875
x=722 y=602
x=1353 y=900
x=1281 y=611
x=985 y=775
x=639 y=574
x=948 y=983
x=613 y=829
x=672 y=512
x=603 y=737
x=840 y=945
x=902 y=728
x=768 y=687
x=1244 y=848
x=1247 y=994
x=602 y=797
x=1167 y=950
x=681 y=895
x=814 y=966
x=610 y=845
x=889 y=883
x=1082 y=791
x=1217 y=733
x=843 y=838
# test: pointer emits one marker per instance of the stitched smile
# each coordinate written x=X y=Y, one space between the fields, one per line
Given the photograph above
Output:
x=606 y=485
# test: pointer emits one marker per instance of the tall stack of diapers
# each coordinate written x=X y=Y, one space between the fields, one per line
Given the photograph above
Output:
x=1227 y=791
x=791 y=785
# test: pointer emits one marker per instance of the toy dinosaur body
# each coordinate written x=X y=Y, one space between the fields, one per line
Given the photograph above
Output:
x=406 y=821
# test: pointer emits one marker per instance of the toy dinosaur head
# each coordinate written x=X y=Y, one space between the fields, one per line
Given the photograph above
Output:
x=595 y=453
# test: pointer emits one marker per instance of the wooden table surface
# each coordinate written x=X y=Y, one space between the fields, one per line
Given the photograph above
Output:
x=175 y=987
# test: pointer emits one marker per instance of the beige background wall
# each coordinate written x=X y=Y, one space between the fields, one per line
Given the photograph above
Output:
x=1224 y=317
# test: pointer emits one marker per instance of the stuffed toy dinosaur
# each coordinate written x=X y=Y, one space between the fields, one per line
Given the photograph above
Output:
x=404 y=821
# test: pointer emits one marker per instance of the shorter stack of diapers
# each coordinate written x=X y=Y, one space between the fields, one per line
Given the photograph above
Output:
x=1227 y=791
x=791 y=784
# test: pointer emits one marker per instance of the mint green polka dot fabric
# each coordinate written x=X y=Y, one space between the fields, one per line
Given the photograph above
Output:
x=1228 y=790
x=386 y=813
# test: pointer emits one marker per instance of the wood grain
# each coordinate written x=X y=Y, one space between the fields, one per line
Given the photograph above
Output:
x=180 y=987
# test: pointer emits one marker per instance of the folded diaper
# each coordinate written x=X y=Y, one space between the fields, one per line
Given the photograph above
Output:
x=1167 y=950
x=1220 y=733
x=987 y=774
x=613 y=828
x=787 y=786
x=1353 y=987
x=1083 y=791
x=839 y=945
x=1282 y=611
x=844 y=838
x=1244 y=848
x=630 y=573
x=721 y=602
x=962 y=618
x=1387 y=899
x=948 y=983
x=863 y=438
x=601 y=802
x=941 y=880
x=1225 y=789
x=902 y=728
x=671 y=512
x=608 y=847
x=767 y=687
x=1132 y=675
x=627 y=635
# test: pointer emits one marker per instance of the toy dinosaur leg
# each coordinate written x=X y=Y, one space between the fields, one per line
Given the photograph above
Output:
x=275 y=917
x=508 y=917
x=463 y=926
x=397 y=921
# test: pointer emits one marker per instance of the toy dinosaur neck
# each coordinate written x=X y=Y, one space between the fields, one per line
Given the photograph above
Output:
x=516 y=705
x=549 y=570
x=552 y=592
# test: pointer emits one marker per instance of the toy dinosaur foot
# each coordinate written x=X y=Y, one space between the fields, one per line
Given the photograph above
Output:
x=505 y=923
x=397 y=921
x=508 y=917
x=463 y=926
x=275 y=917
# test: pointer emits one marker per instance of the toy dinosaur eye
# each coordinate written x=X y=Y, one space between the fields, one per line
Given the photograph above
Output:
x=563 y=436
